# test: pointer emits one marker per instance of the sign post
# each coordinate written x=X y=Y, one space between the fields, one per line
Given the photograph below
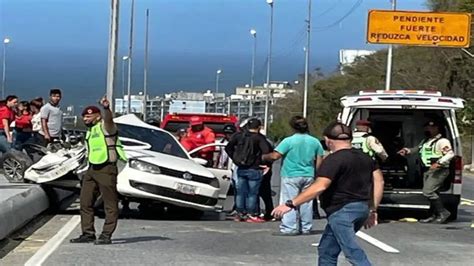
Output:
x=419 y=28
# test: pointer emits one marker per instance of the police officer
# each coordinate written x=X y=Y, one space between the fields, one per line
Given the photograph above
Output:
x=436 y=153
x=369 y=144
x=104 y=150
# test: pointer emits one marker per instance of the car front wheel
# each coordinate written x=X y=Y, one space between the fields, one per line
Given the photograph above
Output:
x=15 y=164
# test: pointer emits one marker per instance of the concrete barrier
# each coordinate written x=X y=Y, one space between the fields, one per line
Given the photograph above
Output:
x=19 y=204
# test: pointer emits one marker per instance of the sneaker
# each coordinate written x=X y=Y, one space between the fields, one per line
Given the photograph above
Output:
x=103 y=240
x=285 y=234
x=254 y=219
x=84 y=238
x=269 y=218
x=240 y=217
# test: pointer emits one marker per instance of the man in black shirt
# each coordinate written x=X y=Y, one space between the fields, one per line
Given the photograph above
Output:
x=350 y=187
x=246 y=149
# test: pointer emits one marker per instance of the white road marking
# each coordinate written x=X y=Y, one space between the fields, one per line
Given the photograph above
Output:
x=372 y=241
x=377 y=243
x=468 y=200
x=47 y=249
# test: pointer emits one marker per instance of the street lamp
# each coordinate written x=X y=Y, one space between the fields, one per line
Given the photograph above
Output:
x=269 y=64
x=5 y=42
x=218 y=73
x=253 y=32
x=124 y=59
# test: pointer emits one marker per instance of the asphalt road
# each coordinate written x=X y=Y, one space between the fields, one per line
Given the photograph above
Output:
x=140 y=241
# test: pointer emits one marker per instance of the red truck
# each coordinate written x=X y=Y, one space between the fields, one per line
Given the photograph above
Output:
x=173 y=122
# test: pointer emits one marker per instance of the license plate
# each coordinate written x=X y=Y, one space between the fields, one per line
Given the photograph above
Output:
x=62 y=170
x=186 y=189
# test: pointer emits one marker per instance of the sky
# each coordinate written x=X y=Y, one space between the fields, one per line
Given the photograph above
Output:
x=63 y=43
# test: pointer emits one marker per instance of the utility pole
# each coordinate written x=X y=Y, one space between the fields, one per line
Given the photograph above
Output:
x=112 y=56
x=253 y=32
x=145 y=69
x=6 y=41
x=472 y=122
x=306 y=65
x=129 y=86
x=269 y=66
x=388 y=78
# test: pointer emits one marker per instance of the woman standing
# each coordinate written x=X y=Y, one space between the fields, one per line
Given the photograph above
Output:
x=35 y=106
x=23 y=125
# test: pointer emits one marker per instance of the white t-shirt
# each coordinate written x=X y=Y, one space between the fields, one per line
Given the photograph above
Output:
x=36 y=122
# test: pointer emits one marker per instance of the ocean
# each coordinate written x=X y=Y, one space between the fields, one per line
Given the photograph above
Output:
x=82 y=74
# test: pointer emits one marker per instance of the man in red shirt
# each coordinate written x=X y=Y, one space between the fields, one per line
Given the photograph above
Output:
x=7 y=115
x=197 y=136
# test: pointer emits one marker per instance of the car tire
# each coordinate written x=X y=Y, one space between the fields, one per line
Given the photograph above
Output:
x=14 y=166
x=184 y=213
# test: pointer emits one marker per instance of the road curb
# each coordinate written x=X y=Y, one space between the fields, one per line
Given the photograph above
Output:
x=19 y=204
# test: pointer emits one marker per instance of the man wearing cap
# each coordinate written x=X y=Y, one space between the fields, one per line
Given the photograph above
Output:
x=199 y=135
x=181 y=134
x=436 y=154
x=350 y=187
x=104 y=150
x=363 y=140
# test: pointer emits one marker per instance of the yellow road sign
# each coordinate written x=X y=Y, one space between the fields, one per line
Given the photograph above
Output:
x=419 y=28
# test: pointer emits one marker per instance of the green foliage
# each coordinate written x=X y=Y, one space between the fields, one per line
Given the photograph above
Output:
x=448 y=70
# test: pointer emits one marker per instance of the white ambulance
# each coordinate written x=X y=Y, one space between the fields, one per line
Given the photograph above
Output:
x=397 y=119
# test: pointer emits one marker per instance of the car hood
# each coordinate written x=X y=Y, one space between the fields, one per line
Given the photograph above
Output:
x=170 y=162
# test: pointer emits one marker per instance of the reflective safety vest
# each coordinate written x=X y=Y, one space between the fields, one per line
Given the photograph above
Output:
x=360 y=143
x=97 y=146
x=428 y=152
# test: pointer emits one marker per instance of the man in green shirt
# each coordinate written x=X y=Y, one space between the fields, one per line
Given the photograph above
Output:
x=302 y=155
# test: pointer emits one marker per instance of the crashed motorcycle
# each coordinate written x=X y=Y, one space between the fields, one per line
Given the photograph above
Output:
x=60 y=164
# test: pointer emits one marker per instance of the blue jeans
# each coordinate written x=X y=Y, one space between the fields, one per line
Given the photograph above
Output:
x=248 y=185
x=4 y=144
x=20 y=139
x=300 y=220
x=339 y=235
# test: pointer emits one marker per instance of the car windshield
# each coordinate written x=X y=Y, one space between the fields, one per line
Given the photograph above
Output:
x=160 y=142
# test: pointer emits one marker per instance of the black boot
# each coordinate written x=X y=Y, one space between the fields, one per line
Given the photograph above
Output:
x=84 y=238
x=433 y=215
x=443 y=214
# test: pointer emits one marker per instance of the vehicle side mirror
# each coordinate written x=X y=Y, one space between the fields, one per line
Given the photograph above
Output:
x=200 y=161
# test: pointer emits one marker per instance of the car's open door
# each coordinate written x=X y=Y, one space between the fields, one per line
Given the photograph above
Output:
x=222 y=171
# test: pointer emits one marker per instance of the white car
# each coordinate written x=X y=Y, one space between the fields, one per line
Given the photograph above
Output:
x=397 y=119
x=160 y=169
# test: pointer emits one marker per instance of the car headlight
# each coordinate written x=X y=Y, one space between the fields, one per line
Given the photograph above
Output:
x=215 y=183
x=144 y=166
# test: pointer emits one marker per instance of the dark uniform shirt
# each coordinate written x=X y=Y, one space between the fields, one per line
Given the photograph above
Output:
x=350 y=171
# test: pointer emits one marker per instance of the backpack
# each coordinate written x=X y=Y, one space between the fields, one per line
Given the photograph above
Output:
x=244 y=153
